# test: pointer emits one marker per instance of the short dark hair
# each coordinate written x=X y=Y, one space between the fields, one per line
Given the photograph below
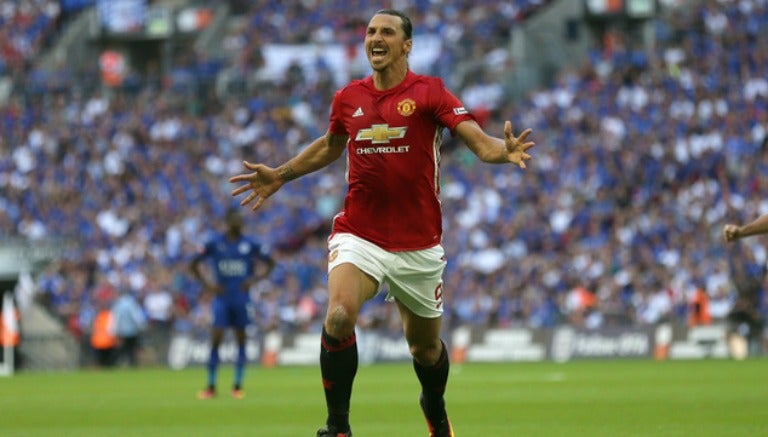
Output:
x=407 y=26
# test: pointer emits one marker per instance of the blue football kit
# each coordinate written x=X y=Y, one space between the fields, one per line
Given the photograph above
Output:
x=233 y=263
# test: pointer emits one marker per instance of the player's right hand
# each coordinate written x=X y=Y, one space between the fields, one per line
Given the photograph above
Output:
x=214 y=290
x=262 y=183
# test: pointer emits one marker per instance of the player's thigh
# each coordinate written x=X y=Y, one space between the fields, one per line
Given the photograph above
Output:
x=238 y=314
x=416 y=284
x=349 y=286
x=422 y=334
x=355 y=270
x=417 y=281
x=221 y=315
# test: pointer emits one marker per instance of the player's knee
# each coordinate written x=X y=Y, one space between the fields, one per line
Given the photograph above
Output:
x=426 y=353
x=340 y=322
x=217 y=335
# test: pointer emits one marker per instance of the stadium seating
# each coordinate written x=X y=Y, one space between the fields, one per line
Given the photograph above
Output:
x=640 y=157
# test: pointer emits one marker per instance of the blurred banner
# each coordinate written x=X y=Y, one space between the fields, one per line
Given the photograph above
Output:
x=122 y=16
x=75 y=5
x=472 y=344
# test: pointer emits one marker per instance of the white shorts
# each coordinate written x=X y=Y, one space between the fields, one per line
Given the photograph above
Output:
x=415 y=277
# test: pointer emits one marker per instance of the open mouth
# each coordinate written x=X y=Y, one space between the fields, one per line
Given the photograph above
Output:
x=378 y=52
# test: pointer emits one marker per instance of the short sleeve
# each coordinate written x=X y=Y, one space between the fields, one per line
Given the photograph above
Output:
x=337 y=126
x=449 y=110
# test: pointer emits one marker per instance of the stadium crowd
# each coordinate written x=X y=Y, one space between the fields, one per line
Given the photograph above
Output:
x=25 y=27
x=640 y=159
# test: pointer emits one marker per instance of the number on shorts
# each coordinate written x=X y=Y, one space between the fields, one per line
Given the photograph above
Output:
x=439 y=295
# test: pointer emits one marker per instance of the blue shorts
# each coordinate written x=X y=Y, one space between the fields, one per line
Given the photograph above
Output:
x=229 y=313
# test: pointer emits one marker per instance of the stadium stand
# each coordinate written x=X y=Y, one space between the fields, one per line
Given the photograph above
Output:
x=642 y=152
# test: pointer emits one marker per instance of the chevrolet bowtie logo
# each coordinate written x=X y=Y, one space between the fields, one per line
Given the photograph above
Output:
x=380 y=133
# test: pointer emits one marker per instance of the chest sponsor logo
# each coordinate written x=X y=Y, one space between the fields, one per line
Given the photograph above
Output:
x=380 y=134
x=406 y=107
x=232 y=267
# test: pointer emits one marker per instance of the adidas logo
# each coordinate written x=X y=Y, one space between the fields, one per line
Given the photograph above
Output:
x=358 y=113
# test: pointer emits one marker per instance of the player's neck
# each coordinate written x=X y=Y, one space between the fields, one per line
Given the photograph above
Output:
x=390 y=77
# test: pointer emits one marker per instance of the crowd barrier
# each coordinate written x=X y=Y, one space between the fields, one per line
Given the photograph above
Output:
x=471 y=344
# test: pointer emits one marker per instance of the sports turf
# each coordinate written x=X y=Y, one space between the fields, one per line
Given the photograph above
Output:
x=587 y=398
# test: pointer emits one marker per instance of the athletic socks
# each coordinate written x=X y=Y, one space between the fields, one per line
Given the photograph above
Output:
x=240 y=367
x=433 y=380
x=213 y=365
x=338 y=366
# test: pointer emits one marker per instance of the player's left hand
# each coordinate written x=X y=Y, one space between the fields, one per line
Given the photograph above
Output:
x=731 y=232
x=517 y=147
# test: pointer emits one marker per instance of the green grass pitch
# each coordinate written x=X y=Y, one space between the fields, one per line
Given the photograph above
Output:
x=586 y=398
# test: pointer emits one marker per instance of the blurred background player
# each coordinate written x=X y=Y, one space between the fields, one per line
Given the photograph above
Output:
x=748 y=272
x=758 y=226
x=236 y=262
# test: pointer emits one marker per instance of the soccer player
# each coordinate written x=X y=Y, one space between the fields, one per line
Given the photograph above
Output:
x=390 y=229
x=236 y=261
x=733 y=232
x=744 y=319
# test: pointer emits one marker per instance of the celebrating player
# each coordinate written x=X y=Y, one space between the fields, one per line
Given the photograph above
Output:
x=390 y=228
x=234 y=258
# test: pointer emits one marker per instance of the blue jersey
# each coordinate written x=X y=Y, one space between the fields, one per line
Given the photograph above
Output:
x=233 y=263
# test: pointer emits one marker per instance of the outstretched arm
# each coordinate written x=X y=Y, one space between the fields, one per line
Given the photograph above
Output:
x=733 y=232
x=264 y=181
x=495 y=150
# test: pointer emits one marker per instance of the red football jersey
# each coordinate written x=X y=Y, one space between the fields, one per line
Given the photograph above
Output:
x=393 y=159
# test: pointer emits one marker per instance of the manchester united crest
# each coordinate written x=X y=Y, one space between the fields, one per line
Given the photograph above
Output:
x=406 y=107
